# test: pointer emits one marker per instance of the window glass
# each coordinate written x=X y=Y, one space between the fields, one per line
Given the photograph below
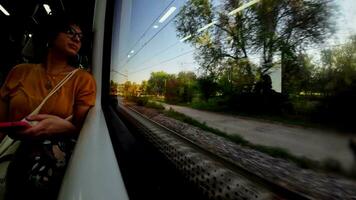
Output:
x=285 y=69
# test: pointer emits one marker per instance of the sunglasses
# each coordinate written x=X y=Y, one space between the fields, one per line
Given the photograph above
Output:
x=72 y=33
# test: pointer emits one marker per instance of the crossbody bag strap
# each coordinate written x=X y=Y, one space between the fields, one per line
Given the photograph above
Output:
x=8 y=146
x=54 y=90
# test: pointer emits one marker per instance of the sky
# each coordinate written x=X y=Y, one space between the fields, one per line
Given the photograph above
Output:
x=141 y=44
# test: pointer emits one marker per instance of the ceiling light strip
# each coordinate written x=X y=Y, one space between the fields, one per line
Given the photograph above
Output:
x=167 y=14
x=4 y=10
x=246 y=5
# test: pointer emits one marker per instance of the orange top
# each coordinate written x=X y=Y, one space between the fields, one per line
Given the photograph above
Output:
x=28 y=84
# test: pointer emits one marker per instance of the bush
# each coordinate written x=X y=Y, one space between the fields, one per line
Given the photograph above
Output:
x=142 y=101
x=155 y=105
x=304 y=106
x=217 y=104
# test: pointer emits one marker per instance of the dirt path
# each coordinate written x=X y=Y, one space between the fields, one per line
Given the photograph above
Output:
x=311 y=143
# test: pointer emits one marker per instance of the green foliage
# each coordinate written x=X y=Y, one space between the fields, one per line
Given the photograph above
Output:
x=239 y=77
x=273 y=151
x=340 y=62
x=156 y=85
x=173 y=91
x=237 y=139
x=181 y=117
x=212 y=104
x=305 y=105
x=140 y=101
x=336 y=83
x=154 y=105
x=130 y=89
x=192 y=15
x=207 y=86
x=143 y=87
x=188 y=85
x=175 y=88
x=312 y=94
x=269 y=27
x=144 y=101
x=297 y=74
x=287 y=26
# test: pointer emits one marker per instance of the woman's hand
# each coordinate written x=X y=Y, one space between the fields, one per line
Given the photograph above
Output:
x=48 y=125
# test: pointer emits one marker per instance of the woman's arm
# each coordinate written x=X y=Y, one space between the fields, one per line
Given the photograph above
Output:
x=51 y=126
x=80 y=113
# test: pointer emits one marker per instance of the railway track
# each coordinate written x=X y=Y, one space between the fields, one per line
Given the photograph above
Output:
x=216 y=177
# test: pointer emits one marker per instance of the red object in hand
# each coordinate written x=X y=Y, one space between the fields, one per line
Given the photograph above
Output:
x=13 y=126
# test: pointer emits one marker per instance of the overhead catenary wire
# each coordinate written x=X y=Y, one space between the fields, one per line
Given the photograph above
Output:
x=204 y=27
x=200 y=30
x=148 y=28
x=190 y=51
x=148 y=41
x=165 y=61
x=159 y=53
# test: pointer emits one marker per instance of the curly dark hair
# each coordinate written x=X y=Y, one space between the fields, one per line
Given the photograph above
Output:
x=53 y=25
x=48 y=30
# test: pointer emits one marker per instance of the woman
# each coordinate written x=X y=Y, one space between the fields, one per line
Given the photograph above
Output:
x=45 y=147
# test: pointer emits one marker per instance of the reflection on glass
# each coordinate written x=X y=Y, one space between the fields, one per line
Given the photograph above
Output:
x=288 y=61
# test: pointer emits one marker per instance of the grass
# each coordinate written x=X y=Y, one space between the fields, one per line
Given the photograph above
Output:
x=328 y=165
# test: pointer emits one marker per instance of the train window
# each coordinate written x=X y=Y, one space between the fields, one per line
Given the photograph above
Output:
x=259 y=89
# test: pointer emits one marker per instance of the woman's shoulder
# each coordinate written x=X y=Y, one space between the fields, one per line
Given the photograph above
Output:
x=24 y=67
x=85 y=86
x=84 y=74
x=21 y=70
x=84 y=80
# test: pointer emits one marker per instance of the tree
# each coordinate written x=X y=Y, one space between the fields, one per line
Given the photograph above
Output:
x=298 y=75
x=143 y=87
x=126 y=88
x=130 y=89
x=225 y=40
x=187 y=85
x=208 y=86
x=237 y=79
x=336 y=81
x=156 y=85
x=172 y=90
x=180 y=88
x=269 y=29
x=113 y=87
x=339 y=72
